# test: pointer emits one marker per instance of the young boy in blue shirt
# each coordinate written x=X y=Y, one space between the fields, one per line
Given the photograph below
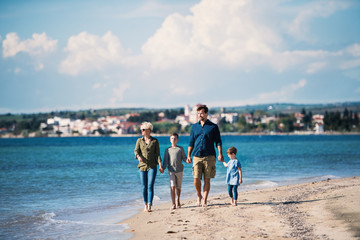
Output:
x=233 y=174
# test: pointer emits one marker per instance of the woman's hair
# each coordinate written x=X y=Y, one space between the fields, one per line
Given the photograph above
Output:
x=202 y=107
x=146 y=125
x=231 y=150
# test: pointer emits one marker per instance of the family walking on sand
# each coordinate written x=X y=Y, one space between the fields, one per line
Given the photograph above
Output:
x=204 y=136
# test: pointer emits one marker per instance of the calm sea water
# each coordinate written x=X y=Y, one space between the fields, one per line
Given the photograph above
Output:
x=81 y=188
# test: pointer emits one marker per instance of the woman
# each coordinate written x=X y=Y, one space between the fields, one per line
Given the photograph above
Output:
x=147 y=152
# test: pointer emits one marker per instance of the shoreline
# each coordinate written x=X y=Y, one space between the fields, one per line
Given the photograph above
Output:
x=326 y=209
x=299 y=133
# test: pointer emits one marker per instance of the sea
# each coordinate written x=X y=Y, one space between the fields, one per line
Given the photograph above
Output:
x=85 y=187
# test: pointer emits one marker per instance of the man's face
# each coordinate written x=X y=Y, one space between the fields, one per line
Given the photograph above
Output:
x=202 y=115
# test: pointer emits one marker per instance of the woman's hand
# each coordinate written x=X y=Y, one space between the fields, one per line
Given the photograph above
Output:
x=140 y=159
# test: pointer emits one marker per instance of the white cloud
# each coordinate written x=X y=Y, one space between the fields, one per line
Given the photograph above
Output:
x=17 y=70
x=300 y=25
x=156 y=9
x=237 y=34
x=315 y=67
x=39 y=44
x=354 y=50
x=222 y=31
x=350 y=64
x=96 y=85
x=39 y=67
x=87 y=52
x=180 y=90
x=284 y=60
x=283 y=94
x=224 y=34
x=118 y=93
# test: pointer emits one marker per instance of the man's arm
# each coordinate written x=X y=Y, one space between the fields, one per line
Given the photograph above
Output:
x=220 y=157
x=190 y=149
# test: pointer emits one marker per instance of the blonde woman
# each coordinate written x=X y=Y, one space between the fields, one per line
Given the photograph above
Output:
x=147 y=152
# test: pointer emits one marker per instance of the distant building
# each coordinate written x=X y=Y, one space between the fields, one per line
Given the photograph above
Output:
x=187 y=110
x=230 y=117
x=317 y=118
x=267 y=120
x=193 y=118
x=319 y=128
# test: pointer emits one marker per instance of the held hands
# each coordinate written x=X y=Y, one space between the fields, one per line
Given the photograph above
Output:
x=221 y=158
x=188 y=160
x=140 y=159
x=161 y=169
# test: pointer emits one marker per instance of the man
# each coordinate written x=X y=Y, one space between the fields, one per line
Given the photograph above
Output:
x=203 y=135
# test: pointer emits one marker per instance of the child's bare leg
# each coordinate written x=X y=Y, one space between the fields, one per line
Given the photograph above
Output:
x=145 y=208
x=232 y=201
x=178 y=192
x=172 y=193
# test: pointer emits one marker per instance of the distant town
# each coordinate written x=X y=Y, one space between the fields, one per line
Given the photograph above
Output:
x=259 y=121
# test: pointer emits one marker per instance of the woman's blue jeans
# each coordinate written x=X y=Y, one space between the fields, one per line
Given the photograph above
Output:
x=147 y=179
x=232 y=188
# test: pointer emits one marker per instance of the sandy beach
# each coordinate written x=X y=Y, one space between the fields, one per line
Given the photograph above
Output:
x=327 y=209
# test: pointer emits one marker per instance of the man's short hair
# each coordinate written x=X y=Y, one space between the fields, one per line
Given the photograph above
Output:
x=231 y=150
x=202 y=107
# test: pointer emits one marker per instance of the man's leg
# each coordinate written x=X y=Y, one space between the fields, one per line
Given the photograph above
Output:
x=197 y=184
x=197 y=174
x=209 y=172
x=206 y=190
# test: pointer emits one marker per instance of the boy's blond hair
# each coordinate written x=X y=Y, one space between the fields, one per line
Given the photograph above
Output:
x=231 y=150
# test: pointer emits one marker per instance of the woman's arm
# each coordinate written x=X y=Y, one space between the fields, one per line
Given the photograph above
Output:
x=157 y=153
x=137 y=151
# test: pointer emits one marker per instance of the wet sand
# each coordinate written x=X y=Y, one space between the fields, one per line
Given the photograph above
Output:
x=317 y=210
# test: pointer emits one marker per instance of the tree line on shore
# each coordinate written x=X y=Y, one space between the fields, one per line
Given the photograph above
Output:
x=346 y=121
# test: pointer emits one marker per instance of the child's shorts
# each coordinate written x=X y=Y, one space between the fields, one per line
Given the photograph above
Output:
x=175 y=179
x=206 y=165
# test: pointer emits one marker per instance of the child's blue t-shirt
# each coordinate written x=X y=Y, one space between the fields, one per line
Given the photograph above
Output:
x=232 y=174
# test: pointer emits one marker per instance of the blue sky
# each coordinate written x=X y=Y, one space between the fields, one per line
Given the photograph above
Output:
x=72 y=55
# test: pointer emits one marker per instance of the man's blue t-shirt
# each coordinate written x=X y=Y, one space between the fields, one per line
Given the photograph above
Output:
x=203 y=138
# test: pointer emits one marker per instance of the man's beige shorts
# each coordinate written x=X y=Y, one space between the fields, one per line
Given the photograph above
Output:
x=204 y=165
